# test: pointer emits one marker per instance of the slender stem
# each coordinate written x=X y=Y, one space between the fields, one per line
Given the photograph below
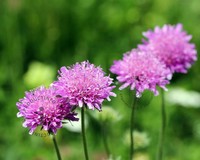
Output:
x=105 y=142
x=83 y=133
x=132 y=127
x=162 y=131
x=56 y=147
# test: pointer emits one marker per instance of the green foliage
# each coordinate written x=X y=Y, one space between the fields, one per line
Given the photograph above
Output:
x=62 y=32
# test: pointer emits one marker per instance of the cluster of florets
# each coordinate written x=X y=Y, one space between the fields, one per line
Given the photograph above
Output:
x=141 y=70
x=84 y=84
x=171 y=46
x=42 y=107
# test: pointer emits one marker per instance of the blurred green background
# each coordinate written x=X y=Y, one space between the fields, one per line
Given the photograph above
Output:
x=38 y=37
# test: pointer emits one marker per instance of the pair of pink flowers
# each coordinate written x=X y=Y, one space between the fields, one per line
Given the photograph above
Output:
x=79 y=85
x=165 y=51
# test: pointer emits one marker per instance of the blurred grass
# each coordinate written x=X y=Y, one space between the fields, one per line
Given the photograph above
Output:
x=63 y=32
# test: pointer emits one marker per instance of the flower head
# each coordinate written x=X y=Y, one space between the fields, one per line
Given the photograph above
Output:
x=171 y=45
x=141 y=70
x=84 y=84
x=41 y=107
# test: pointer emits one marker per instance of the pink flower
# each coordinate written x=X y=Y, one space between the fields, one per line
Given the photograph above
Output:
x=84 y=84
x=141 y=70
x=171 y=45
x=41 y=107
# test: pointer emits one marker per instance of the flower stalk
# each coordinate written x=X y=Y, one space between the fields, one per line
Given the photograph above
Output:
x=105 y=138
x=83 y=133
x=163 y=127
x=132 y=127
x=56 y=148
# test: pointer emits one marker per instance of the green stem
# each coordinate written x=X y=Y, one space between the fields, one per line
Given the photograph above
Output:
x=56 y=148
x=83 y=133
x=162 y=131
x=105 y=142
x=132 y=127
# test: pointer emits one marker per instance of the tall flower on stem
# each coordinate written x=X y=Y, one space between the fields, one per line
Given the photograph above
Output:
x=41 y=107
x=171 y=45
x=85 y=86
x=141 y=71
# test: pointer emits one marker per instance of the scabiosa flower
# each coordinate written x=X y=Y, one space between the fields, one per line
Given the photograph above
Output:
x=141 y=70
x=84 y=84
x=41 y=107
x=171 y=45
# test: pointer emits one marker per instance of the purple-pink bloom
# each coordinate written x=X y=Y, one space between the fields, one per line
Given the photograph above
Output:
x=84 y=84
x=41 y=107
x=172 y=46
x=141 y=70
